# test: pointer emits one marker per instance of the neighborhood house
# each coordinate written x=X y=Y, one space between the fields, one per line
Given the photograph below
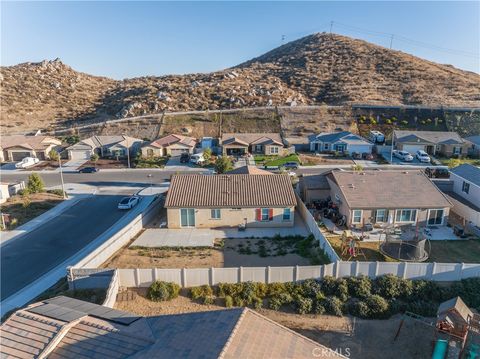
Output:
x=229 y=200
x=16 y=147
x=104 y=146
x=432 y=142
x=339 y=142
x=171 y=145
x=474 y=145
x=239 y=144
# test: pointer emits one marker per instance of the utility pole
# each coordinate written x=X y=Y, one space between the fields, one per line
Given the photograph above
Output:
x=128 y=150
x=283 y=39
x=331 y=26
x=391 y=41
x=61 y=177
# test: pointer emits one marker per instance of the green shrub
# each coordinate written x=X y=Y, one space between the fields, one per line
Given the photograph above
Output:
x=387 y=286
x=274 y=289
x=423 y=307
x=303 y=305
x=294 y=289
x=359 y=287
x=468 y=289
x=333 y=306
x=423 y=289
x=209 y=299
x=35 y=183
x=359 y=309
x=378 y=307
x=318 y=308
x=162 y=291
x=276 y=301
x=341 y=292
x=311 y=288
x=258 y=303
x=329 y=285
x=228 y=301
x=57 y=191
x=201 y=292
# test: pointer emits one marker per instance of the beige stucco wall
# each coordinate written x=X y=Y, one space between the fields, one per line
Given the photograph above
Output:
x=164 y=151
x=157 y=152
x=230 y=218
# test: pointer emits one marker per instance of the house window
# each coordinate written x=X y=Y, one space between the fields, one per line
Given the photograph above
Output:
x=258 y=148
x=381 y=215
x=406 y=215
x=274 y=150
x=340 y=148
x=264 y=214
x=287 y=215
x=357 y=216
x=457 y=150
x=326 y=146
x=215 y=213
x=435 y=216
x=465 y=187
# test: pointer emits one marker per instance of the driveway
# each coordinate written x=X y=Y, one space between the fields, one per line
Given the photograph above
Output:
x=385 y=151
x=73 y=165
x=27 y=258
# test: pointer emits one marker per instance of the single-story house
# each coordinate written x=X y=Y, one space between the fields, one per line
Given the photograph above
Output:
x=230 y=200
x=239 y=144
x=465 y=193
x=473 y=145
x=104 y=146
x=9 y=189
x=388 y=197
x=343 y=141
x=17 y=147
x=432 y=142
x=171 y=145
x=63 y=327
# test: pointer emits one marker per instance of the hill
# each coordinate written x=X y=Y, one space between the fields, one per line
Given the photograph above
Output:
x=317 y=69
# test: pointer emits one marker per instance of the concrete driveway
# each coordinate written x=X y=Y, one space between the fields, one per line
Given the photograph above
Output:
x=205 y=237
x=385 y=151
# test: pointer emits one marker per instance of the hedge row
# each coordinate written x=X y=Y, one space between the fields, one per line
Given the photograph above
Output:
x=358 y=296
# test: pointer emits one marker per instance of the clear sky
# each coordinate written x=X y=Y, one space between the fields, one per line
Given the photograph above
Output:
x=128 y=39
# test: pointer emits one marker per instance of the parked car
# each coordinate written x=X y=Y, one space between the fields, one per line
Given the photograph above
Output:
x=88 y=170
x=128 y=202
x=184 y=158
x=367 y=156
x=422 y=156
x=197 y=158
x=437 y=172
x=27 y=162
x=290 y=165
x=376 y=137
x=403 y=155
x=356 y=155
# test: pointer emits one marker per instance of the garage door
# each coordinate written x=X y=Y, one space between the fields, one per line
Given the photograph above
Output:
x=18 y=156
x=80 y=155
x=413 y=148
x=178 y=151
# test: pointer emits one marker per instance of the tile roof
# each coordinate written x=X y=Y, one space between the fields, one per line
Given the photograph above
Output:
x=101 y=141
x=435 y=137
x=252 y=138
x=468 y=172
x=459 y=305
x=389 y=189
x=172 y=139
x=30 y=142
x=230 y=191
x=248 y=170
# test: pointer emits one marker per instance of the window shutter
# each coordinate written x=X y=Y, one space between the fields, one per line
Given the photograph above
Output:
x=270 y=214
x=259 y=214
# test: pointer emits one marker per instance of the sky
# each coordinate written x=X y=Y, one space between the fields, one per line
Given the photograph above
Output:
x=130 y=39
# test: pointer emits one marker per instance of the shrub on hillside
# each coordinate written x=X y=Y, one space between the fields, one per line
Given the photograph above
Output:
x=359 y=287
x=303 y=305
x=333 y=306
x=201 y=292
x=162 y=291
x=274 y=289
x=390 y=286
x=276 y=301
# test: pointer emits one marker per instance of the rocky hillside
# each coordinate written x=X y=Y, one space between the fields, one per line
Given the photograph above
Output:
x=317 y=69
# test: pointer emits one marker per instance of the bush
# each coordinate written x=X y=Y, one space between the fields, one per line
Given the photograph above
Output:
x=210 y=299
x=94 y=158
x=228 y=301
x=329 y=285
x=303 y=305
x=388 y=286
x=378 y=307
x=274 y=289
x=333 y=306
x=359 y=309
x=311 y=288
x=35 y=183
x=359 y=287
x=54 y=156
x=223 y=164
x=423 y=307
x=162 y=291
x=58 y=192
x=276 y=301
x=201 y=292
x=342 y=290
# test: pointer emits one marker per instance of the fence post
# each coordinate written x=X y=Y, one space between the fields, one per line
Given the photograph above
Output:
x=335 y=269
x=460 y=270
x=70 y=278
x=404 y=272
x=184 y=277
x=240 y=274
x=212 y=276
x=137 y=277
x=296 y=274
x=431 y=271
x=376 y=269
x=155 y=274
x=268 y=275
x=355 y=273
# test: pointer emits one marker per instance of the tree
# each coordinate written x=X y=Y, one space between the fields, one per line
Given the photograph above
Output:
x=454 y=162
x=53 y=155
x=35 y=184
x=26 y=200
x=94 y=158
x=357 y=168
x=223 y=164
x=207 y=154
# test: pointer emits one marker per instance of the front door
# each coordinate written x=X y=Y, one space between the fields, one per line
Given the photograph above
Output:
x=435 y=216
x=187 y=217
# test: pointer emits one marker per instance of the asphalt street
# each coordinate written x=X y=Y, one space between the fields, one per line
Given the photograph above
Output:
x=27 y=258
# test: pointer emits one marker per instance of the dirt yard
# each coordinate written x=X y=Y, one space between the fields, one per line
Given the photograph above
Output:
x=308 y=159
x=231 y=253
x=354 y=338
x=44 y=165
x=107 y=163
x=21 y=211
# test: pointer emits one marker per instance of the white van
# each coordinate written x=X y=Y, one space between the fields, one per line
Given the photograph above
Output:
x=376 y=137
x=27 y=162
x=197 y=158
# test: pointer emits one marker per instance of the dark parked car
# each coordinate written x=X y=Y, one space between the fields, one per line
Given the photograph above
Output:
x=367 y=156
x=437 y=172
x=184 y=158
x=356 y=156
x=290 y=165
x=88 y=170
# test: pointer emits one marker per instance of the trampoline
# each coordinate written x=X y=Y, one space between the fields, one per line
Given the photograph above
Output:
x=406 y=247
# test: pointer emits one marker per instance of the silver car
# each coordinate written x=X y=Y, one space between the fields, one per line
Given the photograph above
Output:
x=128 y=202
x=422 y=156
x=404 y=156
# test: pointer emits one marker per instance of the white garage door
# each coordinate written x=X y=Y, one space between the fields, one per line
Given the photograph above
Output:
x=80 y=155
x=413 y=148
x=178 y=151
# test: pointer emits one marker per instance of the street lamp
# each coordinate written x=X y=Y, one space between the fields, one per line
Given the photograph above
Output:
x=128 y=149
x=61 y=177
x=149 y=176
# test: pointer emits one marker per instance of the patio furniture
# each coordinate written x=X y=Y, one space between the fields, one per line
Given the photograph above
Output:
x=242 y=227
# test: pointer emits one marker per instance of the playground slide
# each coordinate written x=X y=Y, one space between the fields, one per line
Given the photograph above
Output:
x=440 y=350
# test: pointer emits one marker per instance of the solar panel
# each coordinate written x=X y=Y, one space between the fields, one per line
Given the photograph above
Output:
x=57 y=312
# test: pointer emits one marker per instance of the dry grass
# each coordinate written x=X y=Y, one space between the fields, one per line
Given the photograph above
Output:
x=369 y=249
x=40 y=203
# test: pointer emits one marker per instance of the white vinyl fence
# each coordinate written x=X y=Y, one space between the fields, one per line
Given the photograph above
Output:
x=212 y=276
x=313 y=227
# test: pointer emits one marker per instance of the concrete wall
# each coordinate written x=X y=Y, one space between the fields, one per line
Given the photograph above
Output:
x=212 y=276
x=230 y=218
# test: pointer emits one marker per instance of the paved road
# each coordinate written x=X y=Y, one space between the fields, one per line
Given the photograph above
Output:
x=29 y=257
